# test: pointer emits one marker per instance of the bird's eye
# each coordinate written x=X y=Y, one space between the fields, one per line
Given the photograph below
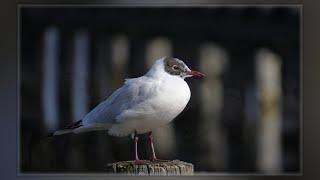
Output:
x=175 y=67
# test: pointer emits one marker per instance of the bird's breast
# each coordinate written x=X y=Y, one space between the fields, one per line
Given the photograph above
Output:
x=172 y=97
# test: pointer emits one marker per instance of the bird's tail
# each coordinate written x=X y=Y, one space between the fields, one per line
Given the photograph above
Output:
x=67 y=130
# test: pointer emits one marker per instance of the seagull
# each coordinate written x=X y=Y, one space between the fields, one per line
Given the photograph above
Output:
x=141 y=105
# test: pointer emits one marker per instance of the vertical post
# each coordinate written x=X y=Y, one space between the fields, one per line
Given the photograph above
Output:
x=157 y=48
x=213 y=60
x=80 y=75
x=119 y=59
x=164 y=136
x=50 y=96
x=102 y=69
x=269 y=87
x=79 y=94
x=50 y=93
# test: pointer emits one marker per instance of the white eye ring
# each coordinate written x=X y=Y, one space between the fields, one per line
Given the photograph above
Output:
x=175 y=67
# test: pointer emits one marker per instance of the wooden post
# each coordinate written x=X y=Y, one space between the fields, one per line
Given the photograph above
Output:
x=163 y=167
x=213 y=60
x=269 y=134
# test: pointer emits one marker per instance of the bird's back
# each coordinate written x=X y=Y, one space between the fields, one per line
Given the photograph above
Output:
x=119 y=101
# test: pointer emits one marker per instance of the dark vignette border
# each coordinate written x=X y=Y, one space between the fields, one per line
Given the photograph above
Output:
x=9 y=86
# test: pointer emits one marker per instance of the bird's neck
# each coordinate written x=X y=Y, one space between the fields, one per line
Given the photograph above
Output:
x=156 y=71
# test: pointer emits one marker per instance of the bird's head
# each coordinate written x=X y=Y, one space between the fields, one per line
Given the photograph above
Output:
x=172 y=67
x=176 y=67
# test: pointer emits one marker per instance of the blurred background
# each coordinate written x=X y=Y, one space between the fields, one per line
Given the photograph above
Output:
x=244 y=116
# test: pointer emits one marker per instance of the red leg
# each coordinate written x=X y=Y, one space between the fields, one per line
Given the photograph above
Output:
x=137 y=160
x=153 y=156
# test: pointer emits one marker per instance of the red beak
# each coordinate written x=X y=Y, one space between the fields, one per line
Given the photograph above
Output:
x=196 y=73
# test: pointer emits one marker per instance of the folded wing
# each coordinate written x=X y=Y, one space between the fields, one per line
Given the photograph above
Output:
x=131 y=93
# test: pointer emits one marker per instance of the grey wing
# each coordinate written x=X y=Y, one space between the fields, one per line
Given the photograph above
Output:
x=108 y=110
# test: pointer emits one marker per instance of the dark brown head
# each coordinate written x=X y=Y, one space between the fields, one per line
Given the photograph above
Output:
x=177 y=67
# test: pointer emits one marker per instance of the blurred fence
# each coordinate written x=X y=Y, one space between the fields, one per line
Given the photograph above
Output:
x=243 y=117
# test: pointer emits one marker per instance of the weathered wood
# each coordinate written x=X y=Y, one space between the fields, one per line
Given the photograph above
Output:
x=163 y=167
